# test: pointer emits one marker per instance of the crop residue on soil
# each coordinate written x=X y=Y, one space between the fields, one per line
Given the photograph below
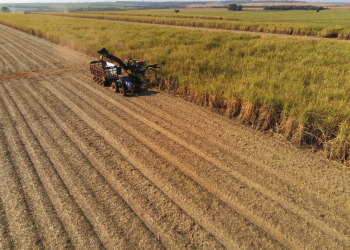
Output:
x=83 y=167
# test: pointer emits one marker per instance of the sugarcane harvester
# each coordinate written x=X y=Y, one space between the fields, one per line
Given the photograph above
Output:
x=109 y=74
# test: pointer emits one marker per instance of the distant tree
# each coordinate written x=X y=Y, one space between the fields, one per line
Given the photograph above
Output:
x=239 y=7
x=293 y=7
x=177 y=11
x=232 y=6
x=5 y=9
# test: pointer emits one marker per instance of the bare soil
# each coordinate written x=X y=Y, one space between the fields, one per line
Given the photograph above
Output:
x=82 y=167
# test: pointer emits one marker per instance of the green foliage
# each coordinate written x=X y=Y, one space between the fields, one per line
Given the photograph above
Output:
x=303 y=78
x=293 y=7
x=232 y=6
x=302 y=23
x=5 y=10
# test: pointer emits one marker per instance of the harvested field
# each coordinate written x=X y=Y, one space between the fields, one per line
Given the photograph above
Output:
x=82 y=167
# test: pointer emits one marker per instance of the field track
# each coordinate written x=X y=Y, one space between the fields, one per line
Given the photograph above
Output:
x=82 y=167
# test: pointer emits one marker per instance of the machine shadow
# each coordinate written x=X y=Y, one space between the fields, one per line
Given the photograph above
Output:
x=143 y=92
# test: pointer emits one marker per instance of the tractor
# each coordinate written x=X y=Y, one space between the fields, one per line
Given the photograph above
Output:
x=109 y=74
x=124 y=85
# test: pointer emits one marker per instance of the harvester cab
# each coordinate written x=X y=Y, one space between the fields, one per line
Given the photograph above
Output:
x=139 y=68
x=135 y=64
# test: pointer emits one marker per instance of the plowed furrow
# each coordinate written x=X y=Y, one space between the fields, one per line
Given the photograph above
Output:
x=217 y=230
x=31 y=53
x=174 y=228
x=23 y=54
x=49 y=50
x=279 y=157
x=4 y=69
x=120 y=230
x=17 y=56
x=49 y=226
x=30 y=39
x=248 y=197
x=33 y=75
x=73 y=220
x=6 y=241
x=307 y=205
x=204 y=215
x=270 y=172
x=20 y=222
x=16 y=61
x=292 y=195
x=9 y=64
x=294 y=192
x=85 y=199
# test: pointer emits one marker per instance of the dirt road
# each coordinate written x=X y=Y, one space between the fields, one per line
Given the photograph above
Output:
x=83 y=167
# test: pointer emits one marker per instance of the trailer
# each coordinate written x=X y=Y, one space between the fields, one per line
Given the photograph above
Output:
x=104 y=72
x=109 y=74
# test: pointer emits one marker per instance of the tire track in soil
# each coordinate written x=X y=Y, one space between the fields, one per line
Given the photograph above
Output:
x=223 y=197
x=6 y=241
x=293 y=209
x=304 y=207
x=207 y=224
x=20 y=222
x=85 y=199
x=72 y=218
x=174 y=228
x=49 y=226
x=165 y=127
x=238 y=146
x=3 y=66
x=32 y=52
x=175 y=123
x=320 y=201
x=53 y=51
x=23 y=52
x=29 y=39
x=118 y=225
x=167 y=157
x=35 y=74
x=13 y=58
x=25 y=58
x=9 y=65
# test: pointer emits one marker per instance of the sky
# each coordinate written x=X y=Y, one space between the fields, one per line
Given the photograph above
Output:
x=91 y=1
x=59 y=1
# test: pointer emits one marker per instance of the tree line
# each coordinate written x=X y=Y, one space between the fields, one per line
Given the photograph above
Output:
x=5 y=9
x=294 y=7
x=234 y=7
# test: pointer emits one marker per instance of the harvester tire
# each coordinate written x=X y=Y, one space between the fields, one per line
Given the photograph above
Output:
x=115 y=87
